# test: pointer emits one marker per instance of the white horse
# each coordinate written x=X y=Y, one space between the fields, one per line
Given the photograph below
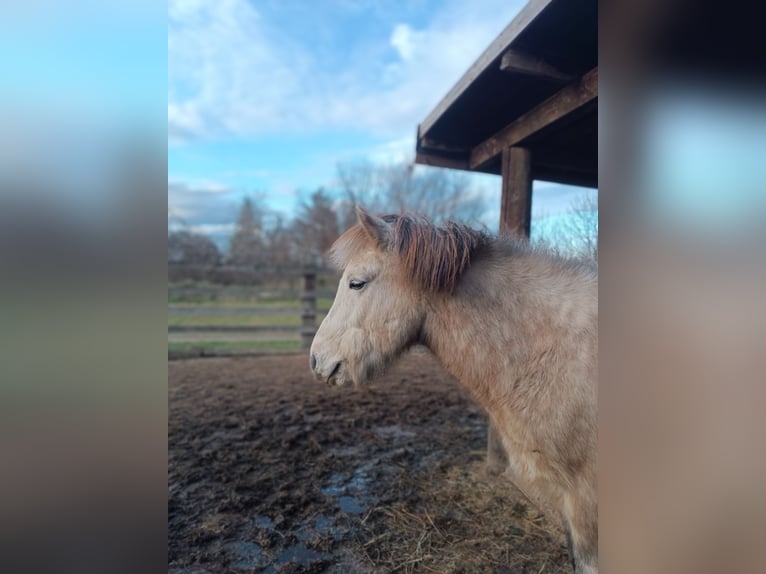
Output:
x=514 y=324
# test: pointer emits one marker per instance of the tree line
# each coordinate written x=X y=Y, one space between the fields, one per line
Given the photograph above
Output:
x=264 y=239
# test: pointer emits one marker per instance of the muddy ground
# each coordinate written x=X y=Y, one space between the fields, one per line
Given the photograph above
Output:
x=270 y=471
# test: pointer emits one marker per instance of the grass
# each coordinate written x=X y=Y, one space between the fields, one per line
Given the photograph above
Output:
x=236 y=346
x=244 y=320
x=322 y=302
x=254 y=315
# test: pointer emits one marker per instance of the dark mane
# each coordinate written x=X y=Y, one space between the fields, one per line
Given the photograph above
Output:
x=434 y=256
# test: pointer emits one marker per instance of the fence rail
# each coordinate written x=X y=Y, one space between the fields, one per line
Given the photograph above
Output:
x=231 y=329
x=234 y=311
x=224 y=291
x=258 y=304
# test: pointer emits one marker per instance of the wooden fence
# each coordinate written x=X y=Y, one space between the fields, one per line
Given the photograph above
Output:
x=210 y=301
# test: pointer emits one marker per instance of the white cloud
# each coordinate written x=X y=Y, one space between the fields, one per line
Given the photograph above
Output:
x=226 y=73
x=206 y=202
x=394 y=151
x=404 y=39
x=213 y=228
x=232 y=72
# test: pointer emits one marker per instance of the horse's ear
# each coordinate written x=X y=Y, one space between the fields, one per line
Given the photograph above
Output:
x=375 y=227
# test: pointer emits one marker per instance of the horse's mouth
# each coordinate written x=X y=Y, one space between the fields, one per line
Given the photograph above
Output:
x=332 y=379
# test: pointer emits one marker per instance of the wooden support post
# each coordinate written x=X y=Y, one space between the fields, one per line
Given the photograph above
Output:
x=515 y=219
x=309 y=313
x=516 y=198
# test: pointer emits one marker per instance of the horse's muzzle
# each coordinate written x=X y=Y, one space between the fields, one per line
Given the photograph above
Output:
x=324 y=375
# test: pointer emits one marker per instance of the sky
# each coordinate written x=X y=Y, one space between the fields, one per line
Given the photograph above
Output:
x=267 y=97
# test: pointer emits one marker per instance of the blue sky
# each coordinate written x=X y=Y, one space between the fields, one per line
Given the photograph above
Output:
x=268 y=96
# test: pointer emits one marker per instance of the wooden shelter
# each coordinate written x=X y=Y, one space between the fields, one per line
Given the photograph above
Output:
x=526 y=109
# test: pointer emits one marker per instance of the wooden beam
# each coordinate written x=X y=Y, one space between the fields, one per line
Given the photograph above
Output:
x=516 y=197
x=429 y=152
x=577 y=165
x=525 y=17
x=429 y=145
x=518 y=62
x=425 y=158
x=567 y=100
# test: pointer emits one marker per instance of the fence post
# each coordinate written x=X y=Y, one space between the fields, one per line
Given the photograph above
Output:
x=309 y=313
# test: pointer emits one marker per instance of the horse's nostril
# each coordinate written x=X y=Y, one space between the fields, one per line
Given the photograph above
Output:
x=313 y=361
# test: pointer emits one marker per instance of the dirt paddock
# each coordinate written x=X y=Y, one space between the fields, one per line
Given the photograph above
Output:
x=270 y=471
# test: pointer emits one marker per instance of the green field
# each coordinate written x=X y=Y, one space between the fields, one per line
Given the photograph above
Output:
x=243 y=320
x=192 y=300
x=235 y=346
x=258 y=311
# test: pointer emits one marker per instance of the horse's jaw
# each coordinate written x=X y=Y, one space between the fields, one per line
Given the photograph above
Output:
x=359 y=371
x=350 y=375
x=346 y=375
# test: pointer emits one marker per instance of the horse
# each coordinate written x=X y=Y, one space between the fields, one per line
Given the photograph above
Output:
x=513 y=322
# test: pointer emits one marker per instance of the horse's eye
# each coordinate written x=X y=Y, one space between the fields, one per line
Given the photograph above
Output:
x=357 y=284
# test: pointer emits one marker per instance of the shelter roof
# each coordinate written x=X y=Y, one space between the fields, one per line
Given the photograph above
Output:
x=536 y=85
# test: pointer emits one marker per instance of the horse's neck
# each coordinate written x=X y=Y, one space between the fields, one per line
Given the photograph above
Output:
x=503 y=313
x=475 y=332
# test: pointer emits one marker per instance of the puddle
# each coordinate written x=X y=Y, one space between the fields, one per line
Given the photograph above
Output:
x=336 y=486
x=263 y=522
x=326 y=525
x=300 y=555
x=246 y=555
x=323 y=526
x=353 y=491
x=350 y=505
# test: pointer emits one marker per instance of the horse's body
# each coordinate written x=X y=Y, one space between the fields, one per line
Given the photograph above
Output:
x=516 y=326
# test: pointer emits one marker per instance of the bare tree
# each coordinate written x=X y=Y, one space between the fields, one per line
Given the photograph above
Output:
x=438 y=194
x=576 y=234
x=442 y=194
x=361 y=182
x=281 y=249
x=317 y=226
x=185 y=247
x=246 y=246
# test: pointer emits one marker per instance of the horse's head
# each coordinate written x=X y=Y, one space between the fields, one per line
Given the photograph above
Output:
x=378 y=310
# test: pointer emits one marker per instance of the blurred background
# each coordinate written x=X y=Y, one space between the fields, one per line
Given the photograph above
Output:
x=265 y=118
